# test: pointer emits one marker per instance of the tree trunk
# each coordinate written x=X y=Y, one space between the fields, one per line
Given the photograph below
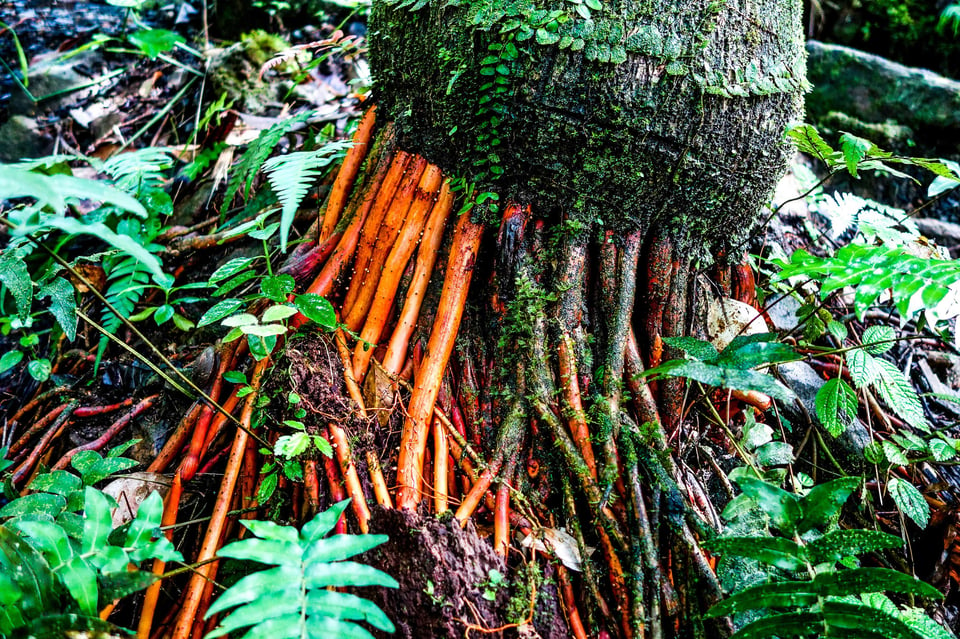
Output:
x=633 y=145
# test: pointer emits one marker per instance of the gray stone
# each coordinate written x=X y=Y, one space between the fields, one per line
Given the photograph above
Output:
x=873 y=89
x=847 y=449
x=21 y=139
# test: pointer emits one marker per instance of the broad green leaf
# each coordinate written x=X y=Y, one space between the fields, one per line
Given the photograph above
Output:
x=15 y=276
x=782 y=507
x=230 y=268
x=100 y=469
x=755 y=354
x=864 y=370
x=266 y=551
x=268 y=605
x=282 y=579
x=277 y=287
x=695 y=348
x=35 y=503
x=854 y=150
x=346 y=574
x=897 y=391
x=97 y=523
x=808 y=140
x=55 y=191
x=50 y=539
x=744 y=380
x=322 y=626
x=271 y=530
x=878 y=333
x=59 y=482
x=894 y=454
x=838 y=330
x=772 y=594
x=40 y=369
x=241 y=319
x=153 y=42
x=264 y=330
x=219 y=311
x=277 y=313
x=29 y=571
x=341 y=605
x=163 y=314
x=323 y=523
x=775 y=454
x=110 y=559
x=9 y=360
x=283 y=627
x=81 y=581
x=836 y=405
x=63 y=305
x=339 y=547
x=837 y=544
x=145 y=526
x=119 y=584
x=864 y=620
x=755 y=434
x=261 y=347
x=317 y=309
x=862 y=580
x=824 y=501
x=909 y=500
x=942 y=450
x=776 y=551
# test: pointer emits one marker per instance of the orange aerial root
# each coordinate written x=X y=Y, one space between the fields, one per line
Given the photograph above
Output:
x=393 y=269
x=413 y=441
x=347 y=174
x=358 y=500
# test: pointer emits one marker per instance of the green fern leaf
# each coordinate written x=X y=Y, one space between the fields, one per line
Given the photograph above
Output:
x=139 y=171
x=292 y=175
x=257 y=152
x=290 y=599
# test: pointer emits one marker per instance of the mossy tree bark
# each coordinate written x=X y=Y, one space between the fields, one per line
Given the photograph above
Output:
x=633 y=145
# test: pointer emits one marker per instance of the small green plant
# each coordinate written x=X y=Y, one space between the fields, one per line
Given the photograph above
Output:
x=815 y=586
x=492 y=585
x=292 y=598
x=61 y=559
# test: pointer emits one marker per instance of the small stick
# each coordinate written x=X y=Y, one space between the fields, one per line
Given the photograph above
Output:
x=171 y=507
x=38 y=426
x=380 y=490
x=211 y=540
x=347 y=174
x=91 y=411
x=109 y=433
x=354 y=490
x=55 y=429
x=396 y=262
x=466 y=243
x=353 y=389
x=426 y=258
x=176 y=440
x=33 y=403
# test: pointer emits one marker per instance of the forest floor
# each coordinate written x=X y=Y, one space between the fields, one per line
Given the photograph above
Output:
x=97 y=91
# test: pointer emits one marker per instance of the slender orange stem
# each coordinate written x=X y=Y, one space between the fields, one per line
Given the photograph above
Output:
x=354 y=490
x=441 y=453
x=176 y=440
x=347 y=174
x=109 y=433
x=393 y=267
x=399 y=169
x=380 y=490
x=353 y=389
x=396 y=353
x=413 y=440
x=211 y=540
x=577 y=418
x=171 y=507
x=570 y=604
x=386 y=237
x=337 y=492
x=472 y=499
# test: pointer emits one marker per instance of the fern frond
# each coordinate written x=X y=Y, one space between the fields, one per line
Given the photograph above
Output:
x=290 y=599
x=292 y=175
x=255 y=155
x=139 y=171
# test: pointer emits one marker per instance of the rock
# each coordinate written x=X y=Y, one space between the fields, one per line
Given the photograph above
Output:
x=944 y=233
x=21 y=139
x=804 y=381
x=54 y=80
x=875 y=90
x=783 y=313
